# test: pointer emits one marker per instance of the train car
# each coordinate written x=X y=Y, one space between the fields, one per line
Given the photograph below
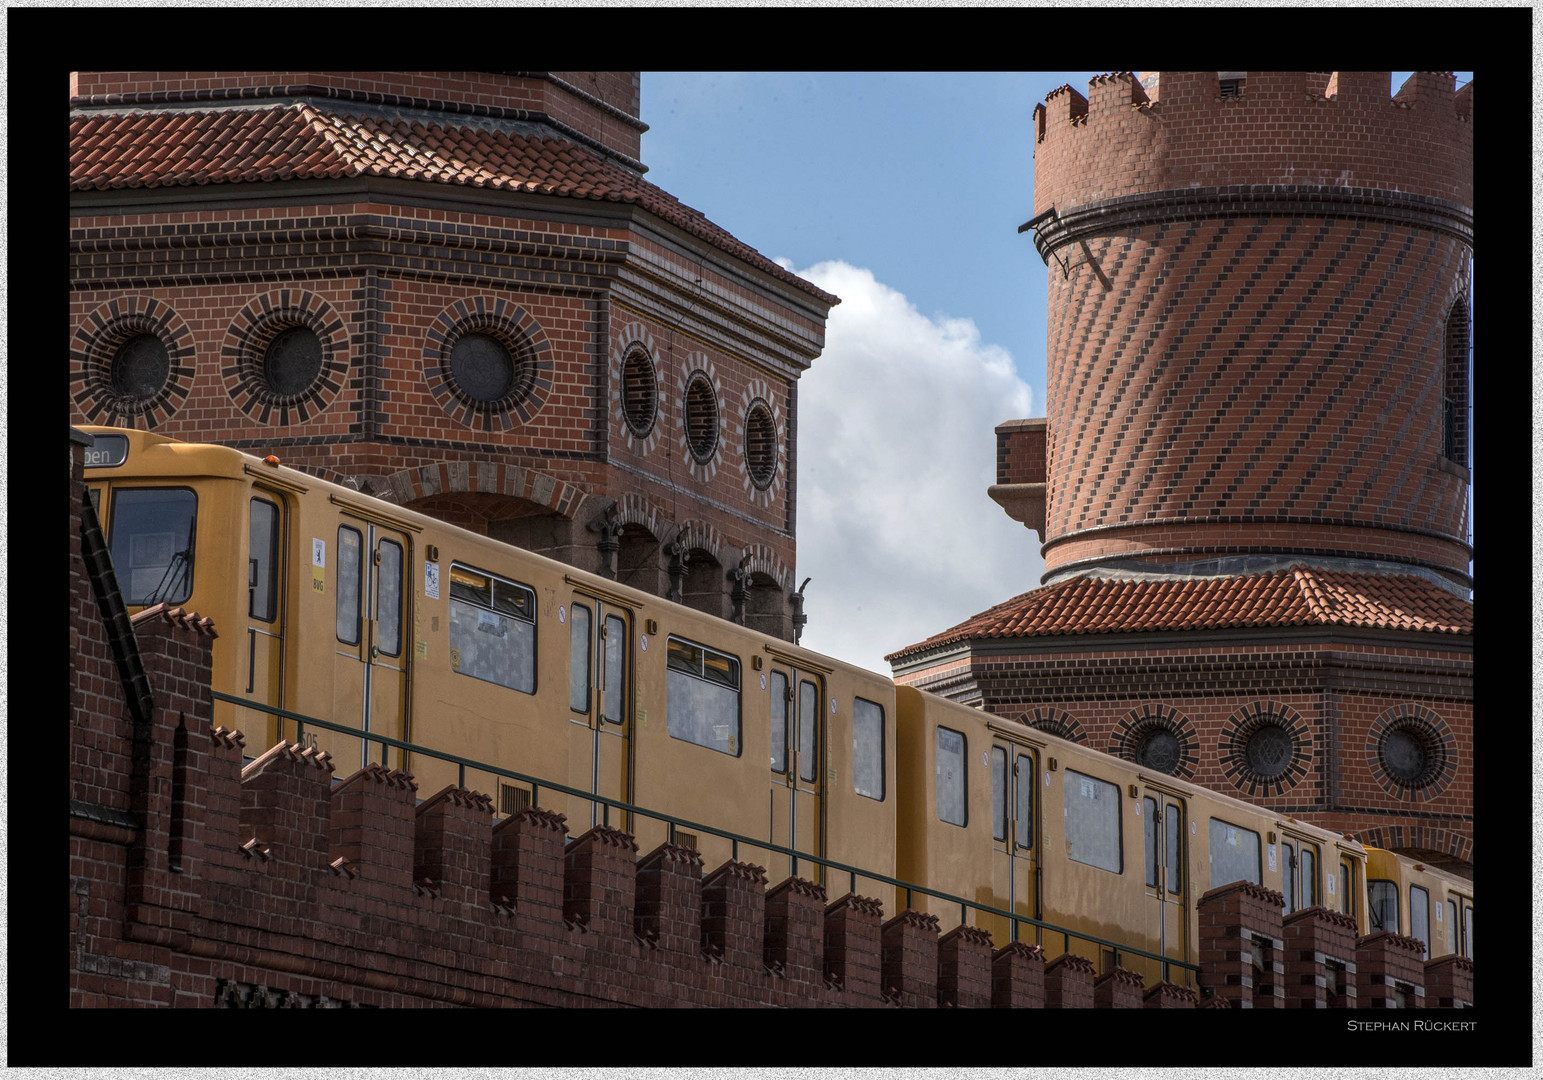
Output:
x=1010 y=818
x=339 y=606
x=1408 y=897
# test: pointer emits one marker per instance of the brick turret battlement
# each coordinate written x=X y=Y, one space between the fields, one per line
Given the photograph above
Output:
x=1175 y=130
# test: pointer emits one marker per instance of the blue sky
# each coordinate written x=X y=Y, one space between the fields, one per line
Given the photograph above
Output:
x=902 y=193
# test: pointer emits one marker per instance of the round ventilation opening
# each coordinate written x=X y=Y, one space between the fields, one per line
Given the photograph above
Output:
x=701 y=418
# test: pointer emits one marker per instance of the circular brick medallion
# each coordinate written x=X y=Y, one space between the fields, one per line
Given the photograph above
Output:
x=1265 y=748
x=1411 y=752
x=284 y=357
x=131 y=363
x=488 y=363
x=1159 y=738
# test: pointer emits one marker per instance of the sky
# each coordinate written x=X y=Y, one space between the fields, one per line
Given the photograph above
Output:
x=901 y=193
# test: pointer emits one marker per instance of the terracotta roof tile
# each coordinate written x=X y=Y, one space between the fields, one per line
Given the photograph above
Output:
x=1299 y=596
x=298 y=141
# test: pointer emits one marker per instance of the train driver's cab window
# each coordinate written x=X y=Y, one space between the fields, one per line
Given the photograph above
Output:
x=702 y=696
x=1382 y=904
x=950 y=776
x=1091 y=808
x=262 y=561
x=1234 y=854
x=492 y=629
x=868 y=749
x=153 y=530
x=1299 y=874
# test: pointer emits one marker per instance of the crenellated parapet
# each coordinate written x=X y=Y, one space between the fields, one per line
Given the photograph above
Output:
x=1345 y=132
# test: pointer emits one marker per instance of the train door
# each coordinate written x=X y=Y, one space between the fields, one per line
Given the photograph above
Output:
x=1165 y=827
x=371 y=602
x=797 y=757
x=1015 y=874
x=600 y=705
x=261 y=663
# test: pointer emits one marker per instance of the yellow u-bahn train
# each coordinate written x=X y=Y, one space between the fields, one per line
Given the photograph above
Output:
x=397 y=626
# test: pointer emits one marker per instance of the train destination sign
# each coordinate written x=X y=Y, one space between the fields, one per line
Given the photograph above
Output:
x=106 y=451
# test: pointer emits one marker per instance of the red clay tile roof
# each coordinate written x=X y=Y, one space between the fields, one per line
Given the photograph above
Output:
x=1298 y=596
x=300 y=142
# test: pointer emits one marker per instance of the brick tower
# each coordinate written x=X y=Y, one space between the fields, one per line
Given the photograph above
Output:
x=453 y=290
x=1252 y=481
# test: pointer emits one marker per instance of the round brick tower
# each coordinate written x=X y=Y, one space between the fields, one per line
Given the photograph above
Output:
x=1258 y=320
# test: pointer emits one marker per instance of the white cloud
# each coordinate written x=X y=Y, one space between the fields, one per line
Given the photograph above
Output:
x=896 y=449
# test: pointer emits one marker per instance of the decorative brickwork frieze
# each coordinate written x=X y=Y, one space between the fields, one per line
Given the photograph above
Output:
x=667 y=913
x=734 y=914
x=599 y=881
x=795 y=931
x=964 y=969
x=1018 y=977
x=1449 y=982
x=854 y=946
x=1118 y=989
x=1390 y=972
x=1166 y=995
x=1241 y=948
x=1069 y=982
x=374 y=827
x=910 y=967
x=1320 y=959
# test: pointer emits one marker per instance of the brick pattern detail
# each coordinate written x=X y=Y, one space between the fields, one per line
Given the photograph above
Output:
x=1069 y=982
x=1166 y=995
x=1018 y=977
x=1119 y=989
x=964 y=969
x=599 y=884
x=910 y=971
x=1241 y=948
x=1390 y=972
x=1320 y=964
x=94 y=345
x=1248 y=309
x=1449 y=983
x=853 y=946
x=795 y=930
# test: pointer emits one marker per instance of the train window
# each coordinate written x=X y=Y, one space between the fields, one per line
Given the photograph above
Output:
x=1092 y=811
x=1382 y=904
x=1173 y=817
x=1149 y=831
x=867 y=749
x=1419 y=916
x=350 y=584
x=614 y=646
x=808 y=731
x=1023 y=768
x=492 y=629
x=1289 y=876
x=1346 y=888
x=779 y=723
x=262 y=561
x=1234 y=854
x=998 y=793
x=1451 y=922
x=579 y=666
x=1308 y=857
x=950 y=776
x=388 y=599
x=153 y=530
x=702 y=696
x=1468 y=930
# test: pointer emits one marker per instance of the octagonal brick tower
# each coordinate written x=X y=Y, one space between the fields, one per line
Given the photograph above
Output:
x=1258 y=319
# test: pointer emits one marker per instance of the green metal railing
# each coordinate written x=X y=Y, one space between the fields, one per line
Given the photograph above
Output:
x=673 y=823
